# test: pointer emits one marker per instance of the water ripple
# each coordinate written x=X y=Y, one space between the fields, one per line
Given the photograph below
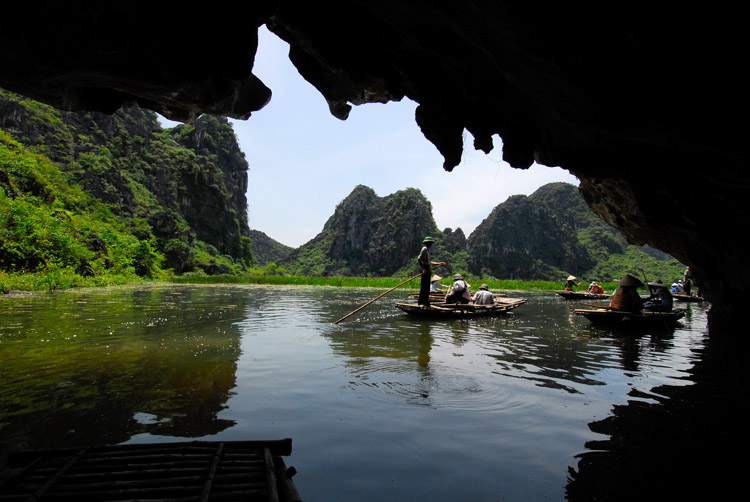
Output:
x=106 y=366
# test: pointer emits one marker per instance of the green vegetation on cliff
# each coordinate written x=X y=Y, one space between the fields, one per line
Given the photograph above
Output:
x=367 y=236
x=552 y=233
x=49 y=226
x=87 y=198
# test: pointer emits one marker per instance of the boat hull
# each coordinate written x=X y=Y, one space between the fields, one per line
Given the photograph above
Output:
x=577 y=295
x=686 y=298
x=440 y=297
x=462 y=311
x=631 y=320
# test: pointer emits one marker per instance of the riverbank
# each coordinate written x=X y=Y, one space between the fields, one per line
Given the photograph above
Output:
x=62 y=279
x=362 y=282
x=59 y=279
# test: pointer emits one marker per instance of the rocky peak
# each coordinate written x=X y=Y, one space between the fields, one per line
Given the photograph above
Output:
x=368 y=235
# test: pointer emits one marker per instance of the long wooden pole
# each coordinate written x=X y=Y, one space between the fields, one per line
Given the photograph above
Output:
x=607 y=307
x=366 y=304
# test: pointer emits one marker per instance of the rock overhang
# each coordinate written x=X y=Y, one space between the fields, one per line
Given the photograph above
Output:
x=646 y=106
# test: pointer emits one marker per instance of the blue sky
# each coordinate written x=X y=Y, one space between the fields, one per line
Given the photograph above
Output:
x=303 y=161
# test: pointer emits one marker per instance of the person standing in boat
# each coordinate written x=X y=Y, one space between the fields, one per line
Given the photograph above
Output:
x=483 y=296
x=460 y=291
x=626 y=297
x=660 y=299
x=688 y=281
x=570 y=282
x=426 y=264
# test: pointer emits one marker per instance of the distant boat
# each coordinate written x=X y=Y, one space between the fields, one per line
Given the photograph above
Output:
x=686 y=298
x=581 y=295
x=461 y=310
x=440 y=296
x=631 y=319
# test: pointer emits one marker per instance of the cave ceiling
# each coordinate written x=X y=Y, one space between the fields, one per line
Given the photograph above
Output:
x=646 y=104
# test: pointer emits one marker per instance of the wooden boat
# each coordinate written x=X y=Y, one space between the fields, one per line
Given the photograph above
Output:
x=461 y=310
x=631 y=320
x=686 y=298
x=581 y=295
x=194 y=470
x=439 y=297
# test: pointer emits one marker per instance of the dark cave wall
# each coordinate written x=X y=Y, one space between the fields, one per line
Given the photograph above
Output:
x=646 y=105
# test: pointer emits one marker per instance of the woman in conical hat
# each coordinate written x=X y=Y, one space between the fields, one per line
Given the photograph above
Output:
x=629 y=280
x=626 y=298
x=435 y=285
x=570 y=282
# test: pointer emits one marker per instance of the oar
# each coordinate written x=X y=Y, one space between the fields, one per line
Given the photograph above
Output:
x=366 y=304
x=645 y=279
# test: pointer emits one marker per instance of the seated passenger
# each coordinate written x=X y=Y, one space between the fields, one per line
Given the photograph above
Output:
x=460 y=292
x=660 y=299
x=435 y=285
x=483 y=296
x=595 y=289
x=677 y=287
x=626 y=297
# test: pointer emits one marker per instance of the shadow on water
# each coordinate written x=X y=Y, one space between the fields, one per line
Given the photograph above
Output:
x=674 y=442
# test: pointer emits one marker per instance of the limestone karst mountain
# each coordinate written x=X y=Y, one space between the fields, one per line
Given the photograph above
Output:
x=543 y=236
x=175 y=197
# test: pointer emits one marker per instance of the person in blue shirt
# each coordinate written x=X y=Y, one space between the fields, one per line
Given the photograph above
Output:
x=660 y=299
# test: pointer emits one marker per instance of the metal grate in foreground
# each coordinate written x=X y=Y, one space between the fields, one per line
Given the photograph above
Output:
x=163 y=472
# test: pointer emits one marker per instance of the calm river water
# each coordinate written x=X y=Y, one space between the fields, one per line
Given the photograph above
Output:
x=382 y=406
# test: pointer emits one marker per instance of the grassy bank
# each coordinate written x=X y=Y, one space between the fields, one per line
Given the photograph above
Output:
x=61 y=278
x=369 y=282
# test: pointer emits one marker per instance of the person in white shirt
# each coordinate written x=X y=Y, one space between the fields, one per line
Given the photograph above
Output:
x=483 y=296
x=435 y=285
x=460 y=291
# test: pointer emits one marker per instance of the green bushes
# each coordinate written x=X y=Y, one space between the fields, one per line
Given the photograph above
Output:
x=146 y=259
x=56 y=230
x=118 y=195
x=53 y=235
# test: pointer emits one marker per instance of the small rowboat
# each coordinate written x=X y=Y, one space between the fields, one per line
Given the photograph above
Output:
x=580 y=295
x=686 y=298
x=461 y=310
x=439 y=297
x=631 y=319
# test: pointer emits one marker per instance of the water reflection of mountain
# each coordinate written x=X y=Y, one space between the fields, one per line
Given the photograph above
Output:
x=99 y=367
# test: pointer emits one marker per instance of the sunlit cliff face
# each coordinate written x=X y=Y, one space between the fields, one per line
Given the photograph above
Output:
x=645 y=106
